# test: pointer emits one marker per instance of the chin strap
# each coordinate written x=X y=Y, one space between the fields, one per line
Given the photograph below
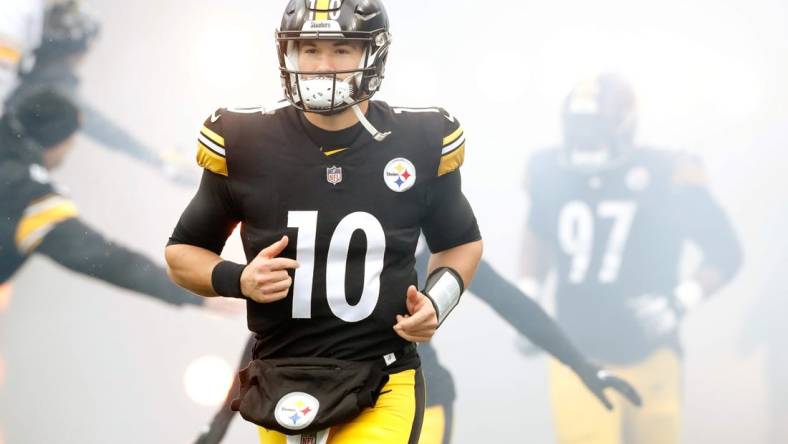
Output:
x=377 y=135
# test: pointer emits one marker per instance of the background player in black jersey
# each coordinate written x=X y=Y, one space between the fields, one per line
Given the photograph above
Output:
x=36 y=217
x=332 y=191
x=69 y=32
x=612 y=219
x=518 y=309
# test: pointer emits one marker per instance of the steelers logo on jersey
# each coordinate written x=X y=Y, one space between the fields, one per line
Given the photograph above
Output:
x=296 y=410
x=638 y=178
x=399 y=174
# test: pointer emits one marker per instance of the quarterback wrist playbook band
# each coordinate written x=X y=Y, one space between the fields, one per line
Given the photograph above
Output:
x=443 y=287
x=226 y=279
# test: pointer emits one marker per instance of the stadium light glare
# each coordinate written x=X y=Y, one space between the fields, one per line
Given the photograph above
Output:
x=207 y=379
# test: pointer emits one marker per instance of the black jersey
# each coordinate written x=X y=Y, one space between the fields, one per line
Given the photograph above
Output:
x=353 y=215
x=37 y=217
x=30 y=208
x=618 y=234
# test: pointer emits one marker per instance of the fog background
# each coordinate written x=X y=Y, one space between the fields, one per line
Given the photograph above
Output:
x=87 y=363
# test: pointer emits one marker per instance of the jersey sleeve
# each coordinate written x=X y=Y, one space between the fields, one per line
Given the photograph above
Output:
x=452 y=153
x=449 y=220
x=42 y=208
x=211 y=145
x=703 y=219
x=210 y=217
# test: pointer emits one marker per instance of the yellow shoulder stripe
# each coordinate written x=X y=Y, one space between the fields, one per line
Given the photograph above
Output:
x=213 y=136
x=210 y=160
x=9 y=55
x=452 y=161
x=40 y=218
x=452 y=137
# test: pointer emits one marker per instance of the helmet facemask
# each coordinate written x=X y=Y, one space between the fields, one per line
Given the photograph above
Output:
x=599 y=121
x=330 y=92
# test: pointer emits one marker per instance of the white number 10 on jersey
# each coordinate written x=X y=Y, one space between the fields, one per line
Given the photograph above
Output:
x=306 y=222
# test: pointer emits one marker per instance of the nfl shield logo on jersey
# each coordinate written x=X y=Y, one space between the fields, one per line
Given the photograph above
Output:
x=334 y=175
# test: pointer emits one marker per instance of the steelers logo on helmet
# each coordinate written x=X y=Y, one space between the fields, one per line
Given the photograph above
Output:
x=296 y=410
x=399 y=175
x=362 y=22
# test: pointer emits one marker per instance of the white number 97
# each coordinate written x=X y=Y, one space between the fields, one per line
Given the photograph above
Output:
x=576 y=224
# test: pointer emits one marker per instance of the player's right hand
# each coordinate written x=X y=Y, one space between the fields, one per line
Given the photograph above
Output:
x=265 y=279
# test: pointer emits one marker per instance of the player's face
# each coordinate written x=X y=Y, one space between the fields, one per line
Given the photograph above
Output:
x=329 y=56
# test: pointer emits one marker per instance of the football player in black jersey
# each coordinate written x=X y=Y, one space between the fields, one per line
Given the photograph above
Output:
x=517 y=309
x=69 y=32
x=612 y=219
x=36 y=217
x=332 y=190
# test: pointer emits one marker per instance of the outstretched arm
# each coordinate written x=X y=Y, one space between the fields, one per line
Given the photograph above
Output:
x=103 y=130
x=80 y=248
x=525 y=315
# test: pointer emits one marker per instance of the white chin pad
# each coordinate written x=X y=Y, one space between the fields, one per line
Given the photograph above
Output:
x=590 y=158
x=318 y=92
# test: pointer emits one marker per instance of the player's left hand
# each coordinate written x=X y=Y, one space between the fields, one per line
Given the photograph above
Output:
x=597 y=380
x=421 y=322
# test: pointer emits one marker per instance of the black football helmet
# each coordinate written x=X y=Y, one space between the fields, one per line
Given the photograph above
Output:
x=364 y=21
x=69 y=28
x=599 y=120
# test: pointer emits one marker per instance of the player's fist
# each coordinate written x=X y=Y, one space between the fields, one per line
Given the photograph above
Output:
x=421 y=322
x=265 y=279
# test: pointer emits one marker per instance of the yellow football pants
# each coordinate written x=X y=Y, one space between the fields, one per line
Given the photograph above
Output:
x=581 y=419
x=437 y=425
x=396 y=418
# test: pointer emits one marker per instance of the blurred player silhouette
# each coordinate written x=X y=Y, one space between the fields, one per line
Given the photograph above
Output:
x=611 y=218
x=37 y=217
x=68 y=32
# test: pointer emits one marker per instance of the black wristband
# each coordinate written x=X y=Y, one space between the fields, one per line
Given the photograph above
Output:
x=226 y=279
